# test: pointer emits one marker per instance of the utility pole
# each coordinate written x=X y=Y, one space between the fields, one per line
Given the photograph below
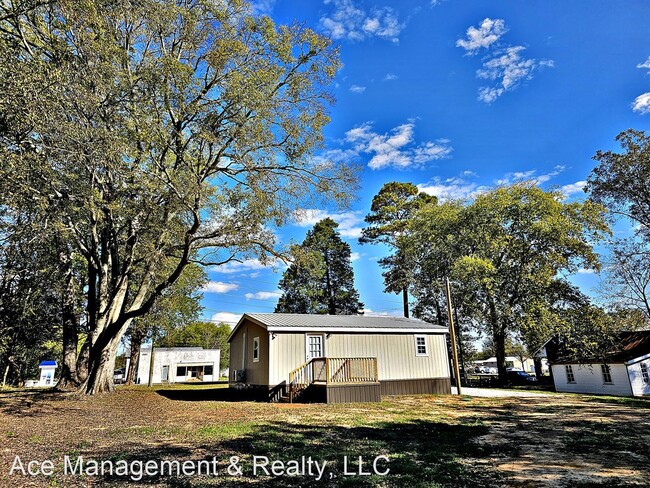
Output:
x=151 y=360
x=452 y=336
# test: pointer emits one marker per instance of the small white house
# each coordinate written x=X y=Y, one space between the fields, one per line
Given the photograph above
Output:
x=48 y=368
x=624 y=372
x=179 y=364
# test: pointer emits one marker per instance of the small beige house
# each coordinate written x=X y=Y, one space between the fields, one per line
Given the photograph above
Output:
x=337 y=358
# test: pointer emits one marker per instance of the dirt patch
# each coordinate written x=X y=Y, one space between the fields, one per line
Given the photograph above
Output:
x=559 y=440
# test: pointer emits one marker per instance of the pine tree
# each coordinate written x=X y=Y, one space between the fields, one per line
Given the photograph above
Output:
x=389 y=214
x=321 y=279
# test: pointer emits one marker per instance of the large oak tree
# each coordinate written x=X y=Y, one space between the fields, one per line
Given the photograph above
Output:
x=149 y=135
x=506 y=252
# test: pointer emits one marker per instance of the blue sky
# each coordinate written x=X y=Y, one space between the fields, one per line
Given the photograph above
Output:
x=455 y=97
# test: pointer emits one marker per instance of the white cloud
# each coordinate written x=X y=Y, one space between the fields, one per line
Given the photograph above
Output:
x=506 y=66
x=530 y=175
x=219 y=287
x=395 y=149
x=573 y=188
x=349 y=21
x=227 y=317
x=451 y=188
x=368 y=312
x=508 y=69
x=263 y=295
x=243 y=266
x=390 y=77
x=357 y=89
x=461 y=188
x=645 y=64
x=586 y=271
x=263 y=7
x=641 y=103
x=348 y=221
x=355 y=256
x=489 y=32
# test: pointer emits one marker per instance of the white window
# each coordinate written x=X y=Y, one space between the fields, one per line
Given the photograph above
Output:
x=421 y=345
x=607 y=373
x=644 y=373
x=256 y=349
x=569 y=374
x=314 y=346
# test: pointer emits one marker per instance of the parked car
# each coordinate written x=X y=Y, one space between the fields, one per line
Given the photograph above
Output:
x=119 y=377
x=521 y=378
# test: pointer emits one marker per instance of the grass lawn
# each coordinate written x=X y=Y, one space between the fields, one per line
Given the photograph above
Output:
x=558 y=440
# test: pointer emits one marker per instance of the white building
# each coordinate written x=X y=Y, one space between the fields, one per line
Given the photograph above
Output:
x=512 y=362
x=48 y=368
x=179 y=364
x=625 y=372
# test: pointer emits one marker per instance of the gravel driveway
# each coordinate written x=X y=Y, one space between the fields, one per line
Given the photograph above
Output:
x=496 y=392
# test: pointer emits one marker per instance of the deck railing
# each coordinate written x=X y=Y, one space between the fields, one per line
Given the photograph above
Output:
x=352 y=370
x=334 y=370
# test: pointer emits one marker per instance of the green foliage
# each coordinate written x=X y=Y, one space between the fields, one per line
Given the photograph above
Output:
x=178 y=305
x=505 y=253
x=321 y=279
x=207 y=335
x=387 y=222
x=620 y=181
x=150 y=135
x=586 y=332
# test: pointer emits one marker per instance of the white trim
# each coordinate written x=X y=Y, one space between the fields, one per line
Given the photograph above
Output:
x=322 y=344
x=243 y=354
x=568 y=371
x=426 y=345
x=256 y=349
x=638 y=360
x=606 y=370
x=352 y=330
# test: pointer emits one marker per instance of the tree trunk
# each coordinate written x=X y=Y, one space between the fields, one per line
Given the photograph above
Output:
x=101 y=367
x=538 y=368
x=4 y=376
x=405 y=298
x=82 y=361
x=69 y=377
x=500 y=350
x=136 y=346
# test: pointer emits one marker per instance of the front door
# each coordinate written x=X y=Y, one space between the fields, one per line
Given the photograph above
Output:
x=165 y=373
x=314 y=346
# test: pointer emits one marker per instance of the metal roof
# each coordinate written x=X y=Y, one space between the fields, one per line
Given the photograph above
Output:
x=630 y=346
x=339 y=323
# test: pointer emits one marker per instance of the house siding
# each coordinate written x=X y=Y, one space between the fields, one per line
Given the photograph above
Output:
x=173 y=358
x=395 y=353
x=257 y=373
x=589 y=379
x=639 y=388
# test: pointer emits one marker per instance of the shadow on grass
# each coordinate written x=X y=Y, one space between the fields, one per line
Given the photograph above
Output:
x=627 y=401
x=209 y=395
x=421 y=454
x=29 y=403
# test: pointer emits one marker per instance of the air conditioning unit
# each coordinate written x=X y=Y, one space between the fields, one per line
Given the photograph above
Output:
x=239 y=375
